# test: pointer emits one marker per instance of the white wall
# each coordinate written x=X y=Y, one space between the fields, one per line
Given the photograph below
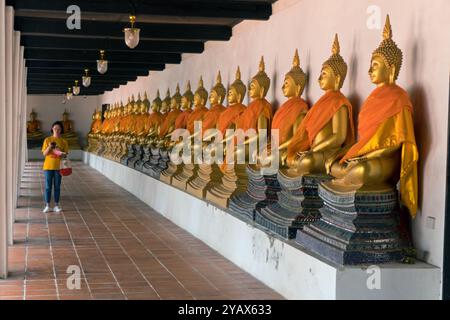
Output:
x=49 y=108
x=418 y=29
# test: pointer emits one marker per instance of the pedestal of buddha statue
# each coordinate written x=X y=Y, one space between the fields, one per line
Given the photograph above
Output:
x=257 y=116
x=325 y=130
x=35 y=137
x=180 y=123
x=363 y=221
x=202 y=175
x=181 y=178
x=152 y=124
x=153 y=167
x=263 y=186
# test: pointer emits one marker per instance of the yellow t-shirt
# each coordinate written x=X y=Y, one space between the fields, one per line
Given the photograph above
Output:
x=51 y=161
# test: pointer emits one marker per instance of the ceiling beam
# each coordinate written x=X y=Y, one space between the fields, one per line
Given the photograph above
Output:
x=75 y=76
x=111 y=45
x=96 y=81
x=99 y=29
x=92 y=56
x=257 y=10
x=92 y=65
x=124 y=73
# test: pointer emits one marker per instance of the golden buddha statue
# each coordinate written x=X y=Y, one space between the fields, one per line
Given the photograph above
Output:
x=35 y=136
x=200 y=97
x=201 y=175
x=180 y=123
x=69 y=133
x=186 y=107
x=168 y=125
x=92 y=136
x=257 y=116
x=142 y=115
x=386 y=149
x=154 y=120
x=327 y=127
x=288 y=117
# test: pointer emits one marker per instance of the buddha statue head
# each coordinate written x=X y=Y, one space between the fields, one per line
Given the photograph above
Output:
x=260 y=83
x=165 y=106
x=218 y=92
x=236 y=91
x=200 y=95
x=175 y=101
x=146 y=103
x=156 y=103
x=33 y=115
x=295 y=79
x=334 y=70
x=128 y=107
x=188 y=98
x=386 y=59
x=135 y=104
x=121 y=109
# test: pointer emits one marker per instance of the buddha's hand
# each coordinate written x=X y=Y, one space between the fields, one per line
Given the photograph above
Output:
x=301 y=154
x=352 y=162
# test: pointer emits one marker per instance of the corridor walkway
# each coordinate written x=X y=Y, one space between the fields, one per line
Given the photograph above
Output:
x=123 y=248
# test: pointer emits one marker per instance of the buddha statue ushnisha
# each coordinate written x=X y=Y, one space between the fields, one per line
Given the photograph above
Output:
x=328 y=125
x=386 y=149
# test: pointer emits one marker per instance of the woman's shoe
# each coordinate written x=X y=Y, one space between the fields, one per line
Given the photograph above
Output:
x=46 y=209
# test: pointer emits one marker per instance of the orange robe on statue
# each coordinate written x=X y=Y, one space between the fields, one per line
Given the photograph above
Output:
x=229 y=116
x=286 y=116
x=209 y=119
x=181 y=121
x=317 y=117
x=196 y=115
x=388 y=107
x=152 y=120
x=168 y=122
x=249 y=118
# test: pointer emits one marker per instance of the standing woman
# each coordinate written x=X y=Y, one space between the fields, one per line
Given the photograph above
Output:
x=54 y=148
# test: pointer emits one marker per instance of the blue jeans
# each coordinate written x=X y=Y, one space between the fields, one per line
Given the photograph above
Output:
x=52 y=178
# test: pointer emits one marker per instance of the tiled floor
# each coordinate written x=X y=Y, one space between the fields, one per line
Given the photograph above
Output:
x=122 y=248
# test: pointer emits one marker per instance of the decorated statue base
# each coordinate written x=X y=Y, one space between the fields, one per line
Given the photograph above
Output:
x=357 y=226
x=164 y=160
x=146 y=154
x=151 y=167
x=261 y=191
x=130 y=154
x=207 y=175
x=181 y=179
x=298 y=204
x=138 y=152
x=172 y=169
x=234 y=181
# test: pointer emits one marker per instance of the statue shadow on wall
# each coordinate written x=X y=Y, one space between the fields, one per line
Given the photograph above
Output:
x=307 y=70
x=274 y=86
x=421 y=118
x=353 y=96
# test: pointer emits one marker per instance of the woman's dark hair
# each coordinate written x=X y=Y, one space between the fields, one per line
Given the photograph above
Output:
x=60 y=124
